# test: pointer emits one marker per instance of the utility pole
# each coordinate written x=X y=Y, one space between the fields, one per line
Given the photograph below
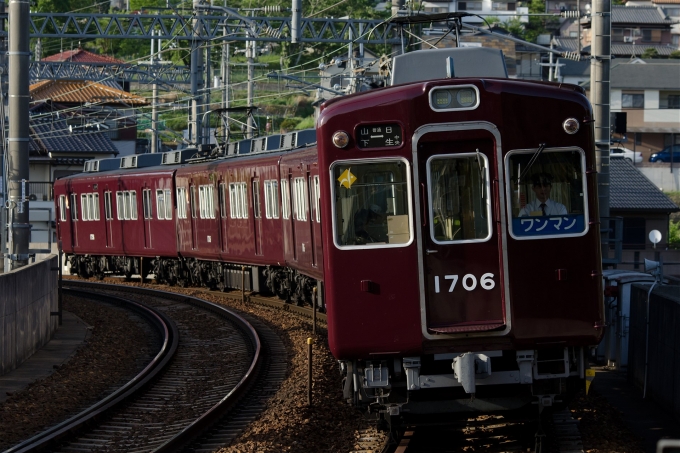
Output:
x=225 y=80
x=600 y=99
x=154 y=100
x=17 y=173
x=250 y=55
x=197 y=81
x=3 y=99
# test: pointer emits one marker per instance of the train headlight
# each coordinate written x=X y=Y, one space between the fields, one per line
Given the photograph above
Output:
x=445 y=99
x=570 y=126
x=442 y=98
x=466 y=97
x=341 y=139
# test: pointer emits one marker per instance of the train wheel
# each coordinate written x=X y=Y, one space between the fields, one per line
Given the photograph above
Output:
x=129 y=266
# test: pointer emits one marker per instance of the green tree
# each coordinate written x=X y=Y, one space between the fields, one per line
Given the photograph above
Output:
x=675 y=54
x=650 y=52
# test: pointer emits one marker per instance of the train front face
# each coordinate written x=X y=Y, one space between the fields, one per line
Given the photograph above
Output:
x=462 y=247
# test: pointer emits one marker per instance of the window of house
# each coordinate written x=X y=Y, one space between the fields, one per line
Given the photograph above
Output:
x=271 y=199
x=181 y=203
x=502 y=6
x=469 y=6
x=632 y=100
x=669 y=138
x=107 y=205
x=146 y=204
x=669 y=99
x=634 y=233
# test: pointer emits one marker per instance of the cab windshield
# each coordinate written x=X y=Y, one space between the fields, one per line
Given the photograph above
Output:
x=546 y=193
x=371 y=203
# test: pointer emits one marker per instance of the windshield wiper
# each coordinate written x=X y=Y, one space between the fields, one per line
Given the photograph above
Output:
x=538 y=152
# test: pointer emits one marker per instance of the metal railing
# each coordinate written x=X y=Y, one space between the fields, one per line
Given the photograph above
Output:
x=40 y=191
x=612 y=239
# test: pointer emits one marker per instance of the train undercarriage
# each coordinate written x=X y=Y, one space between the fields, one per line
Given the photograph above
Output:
x=287 y=284
x=486 y=381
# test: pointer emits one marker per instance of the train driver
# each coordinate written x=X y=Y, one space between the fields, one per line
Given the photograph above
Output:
x=368 y=223
x=542 y=205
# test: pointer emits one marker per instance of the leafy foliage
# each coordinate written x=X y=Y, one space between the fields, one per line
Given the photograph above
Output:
x=674 y=234
x=650 y=53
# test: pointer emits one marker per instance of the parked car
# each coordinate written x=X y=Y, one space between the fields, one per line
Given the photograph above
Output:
x=665 y=155
x=620 y=151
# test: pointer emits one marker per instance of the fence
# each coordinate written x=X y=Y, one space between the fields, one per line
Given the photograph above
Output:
x=29 y=297
x=654 y=350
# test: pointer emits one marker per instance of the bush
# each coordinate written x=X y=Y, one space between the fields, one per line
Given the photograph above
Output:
x=674 y=235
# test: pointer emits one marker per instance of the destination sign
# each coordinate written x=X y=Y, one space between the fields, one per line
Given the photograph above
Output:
x=379 y=135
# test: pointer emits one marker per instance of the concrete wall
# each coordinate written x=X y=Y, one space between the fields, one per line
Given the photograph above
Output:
x=660 y=174
x=663 y=360
x=27 y=297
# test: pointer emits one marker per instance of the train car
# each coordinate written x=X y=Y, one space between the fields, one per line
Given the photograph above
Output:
x=461 y=250
x=449 y=227
x=116 y=221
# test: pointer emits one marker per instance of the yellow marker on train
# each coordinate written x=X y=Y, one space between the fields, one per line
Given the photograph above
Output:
x=346 y=179
x=590 y=375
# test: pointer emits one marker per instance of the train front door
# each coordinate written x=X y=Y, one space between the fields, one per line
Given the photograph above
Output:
x=462 y=275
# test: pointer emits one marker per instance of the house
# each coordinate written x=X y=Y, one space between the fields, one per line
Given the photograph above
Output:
x=672 y=10
x=98 y=105
x=643 y=208
x=649 y=92
x=634 y=30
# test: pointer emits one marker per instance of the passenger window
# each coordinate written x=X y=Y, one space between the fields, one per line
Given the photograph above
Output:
x=460 y=207
x=371 y=203
x=547 y=193
x=74 y=206
x=62 y=208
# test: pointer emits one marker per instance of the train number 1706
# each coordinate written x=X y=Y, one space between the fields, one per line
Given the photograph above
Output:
x=469 y=282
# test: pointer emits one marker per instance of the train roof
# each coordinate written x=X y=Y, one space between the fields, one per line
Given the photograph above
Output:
x=176 y=159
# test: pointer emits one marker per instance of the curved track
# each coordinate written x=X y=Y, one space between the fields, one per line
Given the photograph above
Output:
x=211 y=358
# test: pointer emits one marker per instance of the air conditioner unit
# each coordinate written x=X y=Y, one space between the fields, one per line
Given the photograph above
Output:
x=628 y=39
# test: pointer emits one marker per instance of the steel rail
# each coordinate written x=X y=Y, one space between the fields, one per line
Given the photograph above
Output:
x=166 y=328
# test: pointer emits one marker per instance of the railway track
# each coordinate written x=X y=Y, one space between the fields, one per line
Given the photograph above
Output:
x=210 y=379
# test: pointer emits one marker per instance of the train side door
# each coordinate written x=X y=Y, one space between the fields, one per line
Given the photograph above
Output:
x=192 y=208
x=73 y=202
x=312 y=191
x=462 y=277
x=257 y=216
x=108 y=217
x=147 y=199
x=222 y=201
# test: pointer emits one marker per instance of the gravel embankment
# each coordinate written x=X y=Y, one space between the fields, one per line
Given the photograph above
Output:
x=287 y=425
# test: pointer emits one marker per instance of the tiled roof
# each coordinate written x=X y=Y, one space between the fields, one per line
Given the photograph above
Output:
x=641 y=15
x=53 y=136
x=630 y=190
x=628 y=50
x=646 y=76
x=81 y=92
x=566 y=43
x=82 y=56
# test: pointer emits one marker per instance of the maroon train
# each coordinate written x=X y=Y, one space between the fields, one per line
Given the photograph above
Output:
x=449 y=226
